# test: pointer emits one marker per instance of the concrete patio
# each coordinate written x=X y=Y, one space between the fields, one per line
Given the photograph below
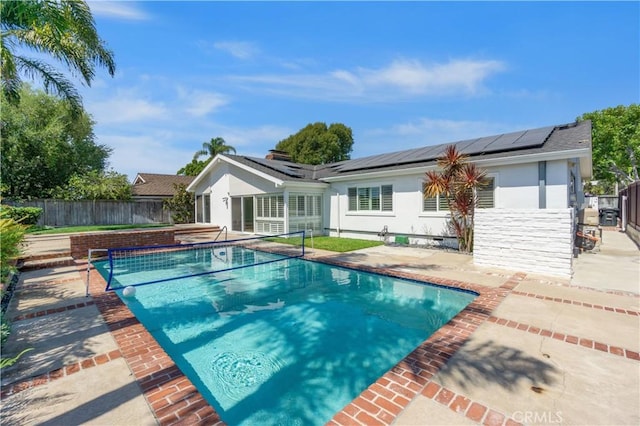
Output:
x=553 y=351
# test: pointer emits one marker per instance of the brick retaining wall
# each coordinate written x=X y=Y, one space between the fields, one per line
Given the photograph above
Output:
x=81 y=243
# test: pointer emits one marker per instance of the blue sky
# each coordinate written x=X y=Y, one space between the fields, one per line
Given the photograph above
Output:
x=400 y=74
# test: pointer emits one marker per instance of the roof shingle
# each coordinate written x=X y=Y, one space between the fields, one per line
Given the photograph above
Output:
x=158 y=185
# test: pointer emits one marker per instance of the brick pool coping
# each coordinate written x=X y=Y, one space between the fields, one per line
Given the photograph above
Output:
x=175 y=400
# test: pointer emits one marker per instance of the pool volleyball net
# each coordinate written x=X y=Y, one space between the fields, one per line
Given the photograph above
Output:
x=136 y=266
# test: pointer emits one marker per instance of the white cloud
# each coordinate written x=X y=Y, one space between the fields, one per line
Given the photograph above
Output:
x=126 y=109
x=414 y=77
x=398 y=80
x=145 y=154
x=118 y=10
x=199 y=103
x=238 y=49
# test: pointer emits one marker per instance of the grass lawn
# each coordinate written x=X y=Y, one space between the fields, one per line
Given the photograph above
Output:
x=336 y=244
x=39 y=230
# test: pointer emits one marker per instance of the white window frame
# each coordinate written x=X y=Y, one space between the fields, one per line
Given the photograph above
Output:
x=440 y=200
x=383 y=200
x=495 y=180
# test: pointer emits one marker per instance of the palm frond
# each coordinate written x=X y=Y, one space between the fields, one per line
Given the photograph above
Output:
x=63 y=29
x=200 y=153
x=53 y=81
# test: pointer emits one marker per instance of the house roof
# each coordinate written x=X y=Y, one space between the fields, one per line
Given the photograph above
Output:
x=153 y=184
x=568 y=138
x=565 y=141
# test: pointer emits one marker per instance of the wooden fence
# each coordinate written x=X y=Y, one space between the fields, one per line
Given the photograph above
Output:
x=79 y=213
x=632 y=206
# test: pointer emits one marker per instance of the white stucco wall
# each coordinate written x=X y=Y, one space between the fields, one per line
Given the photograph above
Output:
x=226 y=181
x=406 y=218
x=533 y=241
x=516 y=188
x=557 y=184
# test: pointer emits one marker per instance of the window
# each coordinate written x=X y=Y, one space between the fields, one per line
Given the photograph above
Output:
x=434 y=204
x=305 y=213
x=486 y=194
x=304 y=205
x=373 y=198
x=270 y=206
x=485 y=198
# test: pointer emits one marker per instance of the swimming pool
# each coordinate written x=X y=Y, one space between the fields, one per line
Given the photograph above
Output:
x=290 y=342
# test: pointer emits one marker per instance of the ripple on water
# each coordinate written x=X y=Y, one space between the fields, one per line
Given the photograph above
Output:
x=238 y=373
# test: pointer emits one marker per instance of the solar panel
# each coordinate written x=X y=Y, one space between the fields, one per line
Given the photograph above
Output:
x=487 y=144
x=280 y=166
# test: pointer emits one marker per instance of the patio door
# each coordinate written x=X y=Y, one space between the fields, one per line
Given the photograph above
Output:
x=242 y=214
x=236 y=214
x=247 y=214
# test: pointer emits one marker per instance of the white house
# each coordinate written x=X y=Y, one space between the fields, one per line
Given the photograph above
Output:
x=532 y=169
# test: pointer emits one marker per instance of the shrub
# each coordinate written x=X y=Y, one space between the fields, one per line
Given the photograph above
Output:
x=23 y=215
x=5 y=329
x=11 y=235
x=181 y=205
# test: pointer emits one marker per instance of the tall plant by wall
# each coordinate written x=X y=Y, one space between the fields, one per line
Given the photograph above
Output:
x=458 y=182
x=181 y=204
x=11 y=235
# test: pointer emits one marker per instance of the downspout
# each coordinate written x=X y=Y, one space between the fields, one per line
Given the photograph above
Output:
x=338 y=206
x=542 y=184
x=623 y=208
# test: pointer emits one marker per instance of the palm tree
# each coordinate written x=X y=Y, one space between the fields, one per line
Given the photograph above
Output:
x=457 y=182
x=65 y=30
x=214 y=147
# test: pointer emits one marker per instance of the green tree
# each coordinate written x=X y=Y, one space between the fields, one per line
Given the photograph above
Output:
x=214 y=147
x=182 y=205
x=194 y=167
x=457 y=181
x=616 y=146
x=319 y=144
x=11 y=234
x=209 y=149
x=96 y=185
x=44 y=143
x=63 y=29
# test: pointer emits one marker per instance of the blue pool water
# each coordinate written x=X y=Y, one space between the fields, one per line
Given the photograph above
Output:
x=290 y=342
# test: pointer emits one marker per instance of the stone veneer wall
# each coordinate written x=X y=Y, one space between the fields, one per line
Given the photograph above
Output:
x=81 y=243
x=530 y=241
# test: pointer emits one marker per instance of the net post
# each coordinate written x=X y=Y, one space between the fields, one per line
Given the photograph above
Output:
x=86 y=293
x=86 y=288
x=311 y=235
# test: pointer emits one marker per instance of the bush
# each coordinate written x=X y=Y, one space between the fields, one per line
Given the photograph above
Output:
x=23 y=215
x=5 y=329
x=181 y=205
x=11 y=235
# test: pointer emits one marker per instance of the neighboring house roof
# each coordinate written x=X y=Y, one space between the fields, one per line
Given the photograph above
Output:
x=562 y=141
x=157 y=185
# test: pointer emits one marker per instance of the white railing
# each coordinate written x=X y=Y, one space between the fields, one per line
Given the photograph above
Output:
x=310 y=231
x=224 y=228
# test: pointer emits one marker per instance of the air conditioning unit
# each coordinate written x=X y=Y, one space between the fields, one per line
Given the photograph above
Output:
x=588 y=216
